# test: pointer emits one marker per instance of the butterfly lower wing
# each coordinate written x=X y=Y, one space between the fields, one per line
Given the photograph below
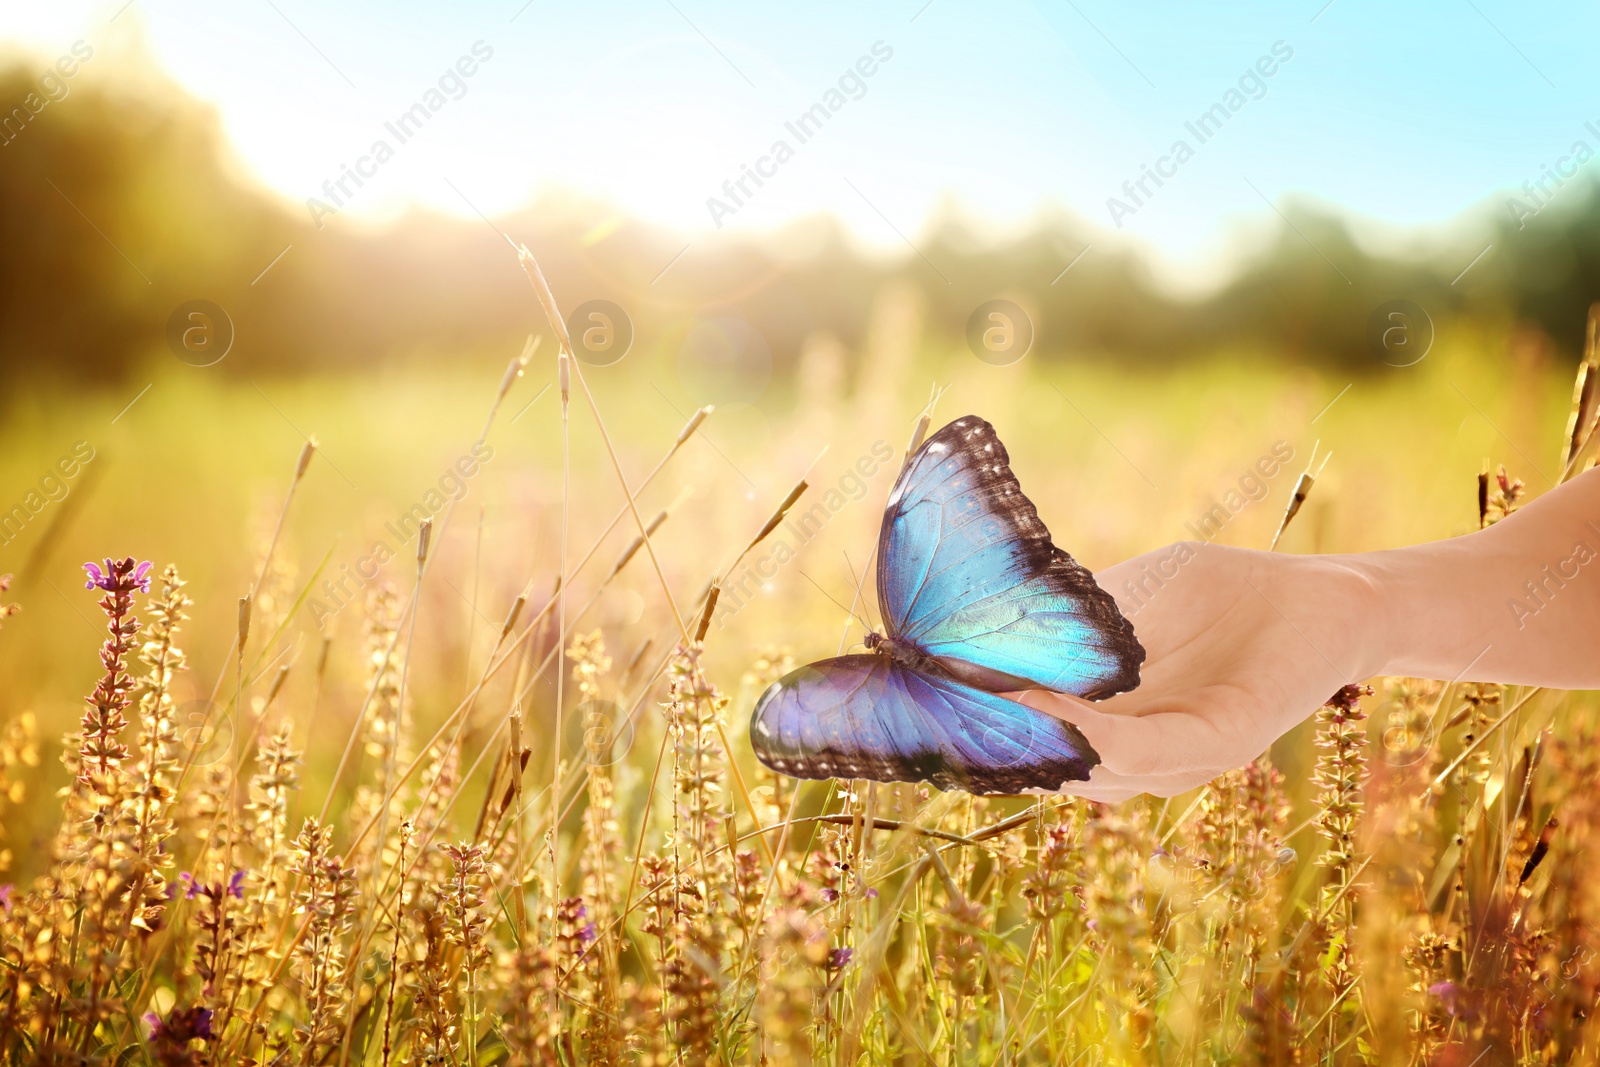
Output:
x=868 y=717
x=967 y=570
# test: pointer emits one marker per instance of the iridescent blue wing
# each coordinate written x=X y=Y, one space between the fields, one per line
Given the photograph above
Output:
x=869 y=717
x=967 y=571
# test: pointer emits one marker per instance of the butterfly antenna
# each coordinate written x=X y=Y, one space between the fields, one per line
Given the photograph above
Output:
x=831 y=597
x=918 y=432
x=856 y=598
x=859 y=583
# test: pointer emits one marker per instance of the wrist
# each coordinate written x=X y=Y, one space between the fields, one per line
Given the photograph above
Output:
x=1428 y=612
x=1353 y=588
x=1516 y=603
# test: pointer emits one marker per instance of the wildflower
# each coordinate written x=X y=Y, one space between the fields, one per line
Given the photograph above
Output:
x=1494 y=507
x=153 y=778
x=1348 y=698
x=181 y=1026
x=1456 y=1000
x=839 y=958
x=100 y=752
x=1045 y=887
x=118 y=576
x=327 y=898
x=5 y=897
x=467 y=927
x=581 y=931
x=1340 y=773
x=193 y=887
x=170 y=1038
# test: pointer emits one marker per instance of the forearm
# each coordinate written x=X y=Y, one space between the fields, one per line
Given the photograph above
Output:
x=1516 y=603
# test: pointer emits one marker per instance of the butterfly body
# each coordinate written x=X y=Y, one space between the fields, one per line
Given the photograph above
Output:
x=913 y=656
x=906 y=653
x=977 y=601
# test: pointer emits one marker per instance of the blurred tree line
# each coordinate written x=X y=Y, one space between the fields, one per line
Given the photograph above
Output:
x=117 y=205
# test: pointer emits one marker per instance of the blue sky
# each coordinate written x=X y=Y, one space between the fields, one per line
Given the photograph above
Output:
x=1403 y=115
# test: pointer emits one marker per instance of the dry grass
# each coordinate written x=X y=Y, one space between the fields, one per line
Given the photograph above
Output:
x=549 y=845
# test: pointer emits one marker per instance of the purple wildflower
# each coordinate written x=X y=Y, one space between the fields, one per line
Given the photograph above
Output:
x=587 y=933
x=215 y=891
x=119 y=576
x=5 y=896
x=839 y=958
x=1348 y=699
x=871 y=894
x=100 y=751
x=829 y=895
x=1453 y=997
x=181 y=1026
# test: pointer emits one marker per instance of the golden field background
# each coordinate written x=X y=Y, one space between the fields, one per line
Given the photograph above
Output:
x=1406 y=893
x=1118 y=462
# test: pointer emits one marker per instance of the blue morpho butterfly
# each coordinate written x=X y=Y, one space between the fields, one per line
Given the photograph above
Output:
x=976 y=601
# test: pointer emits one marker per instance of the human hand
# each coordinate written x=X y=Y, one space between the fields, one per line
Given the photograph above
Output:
x=1240 y=646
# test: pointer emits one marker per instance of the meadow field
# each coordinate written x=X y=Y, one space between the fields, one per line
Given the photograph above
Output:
x=314 y=849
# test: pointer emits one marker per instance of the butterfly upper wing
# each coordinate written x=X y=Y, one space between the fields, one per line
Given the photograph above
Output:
x=869 y=717
x=967 y=571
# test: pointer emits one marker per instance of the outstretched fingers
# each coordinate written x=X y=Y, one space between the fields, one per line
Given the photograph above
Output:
x=1164 y=752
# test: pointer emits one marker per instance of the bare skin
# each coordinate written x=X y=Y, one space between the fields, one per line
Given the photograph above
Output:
x=1242 y=645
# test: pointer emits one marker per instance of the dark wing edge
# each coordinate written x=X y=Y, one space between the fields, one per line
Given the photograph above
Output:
x=1043 y=558
x=1101 y=608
